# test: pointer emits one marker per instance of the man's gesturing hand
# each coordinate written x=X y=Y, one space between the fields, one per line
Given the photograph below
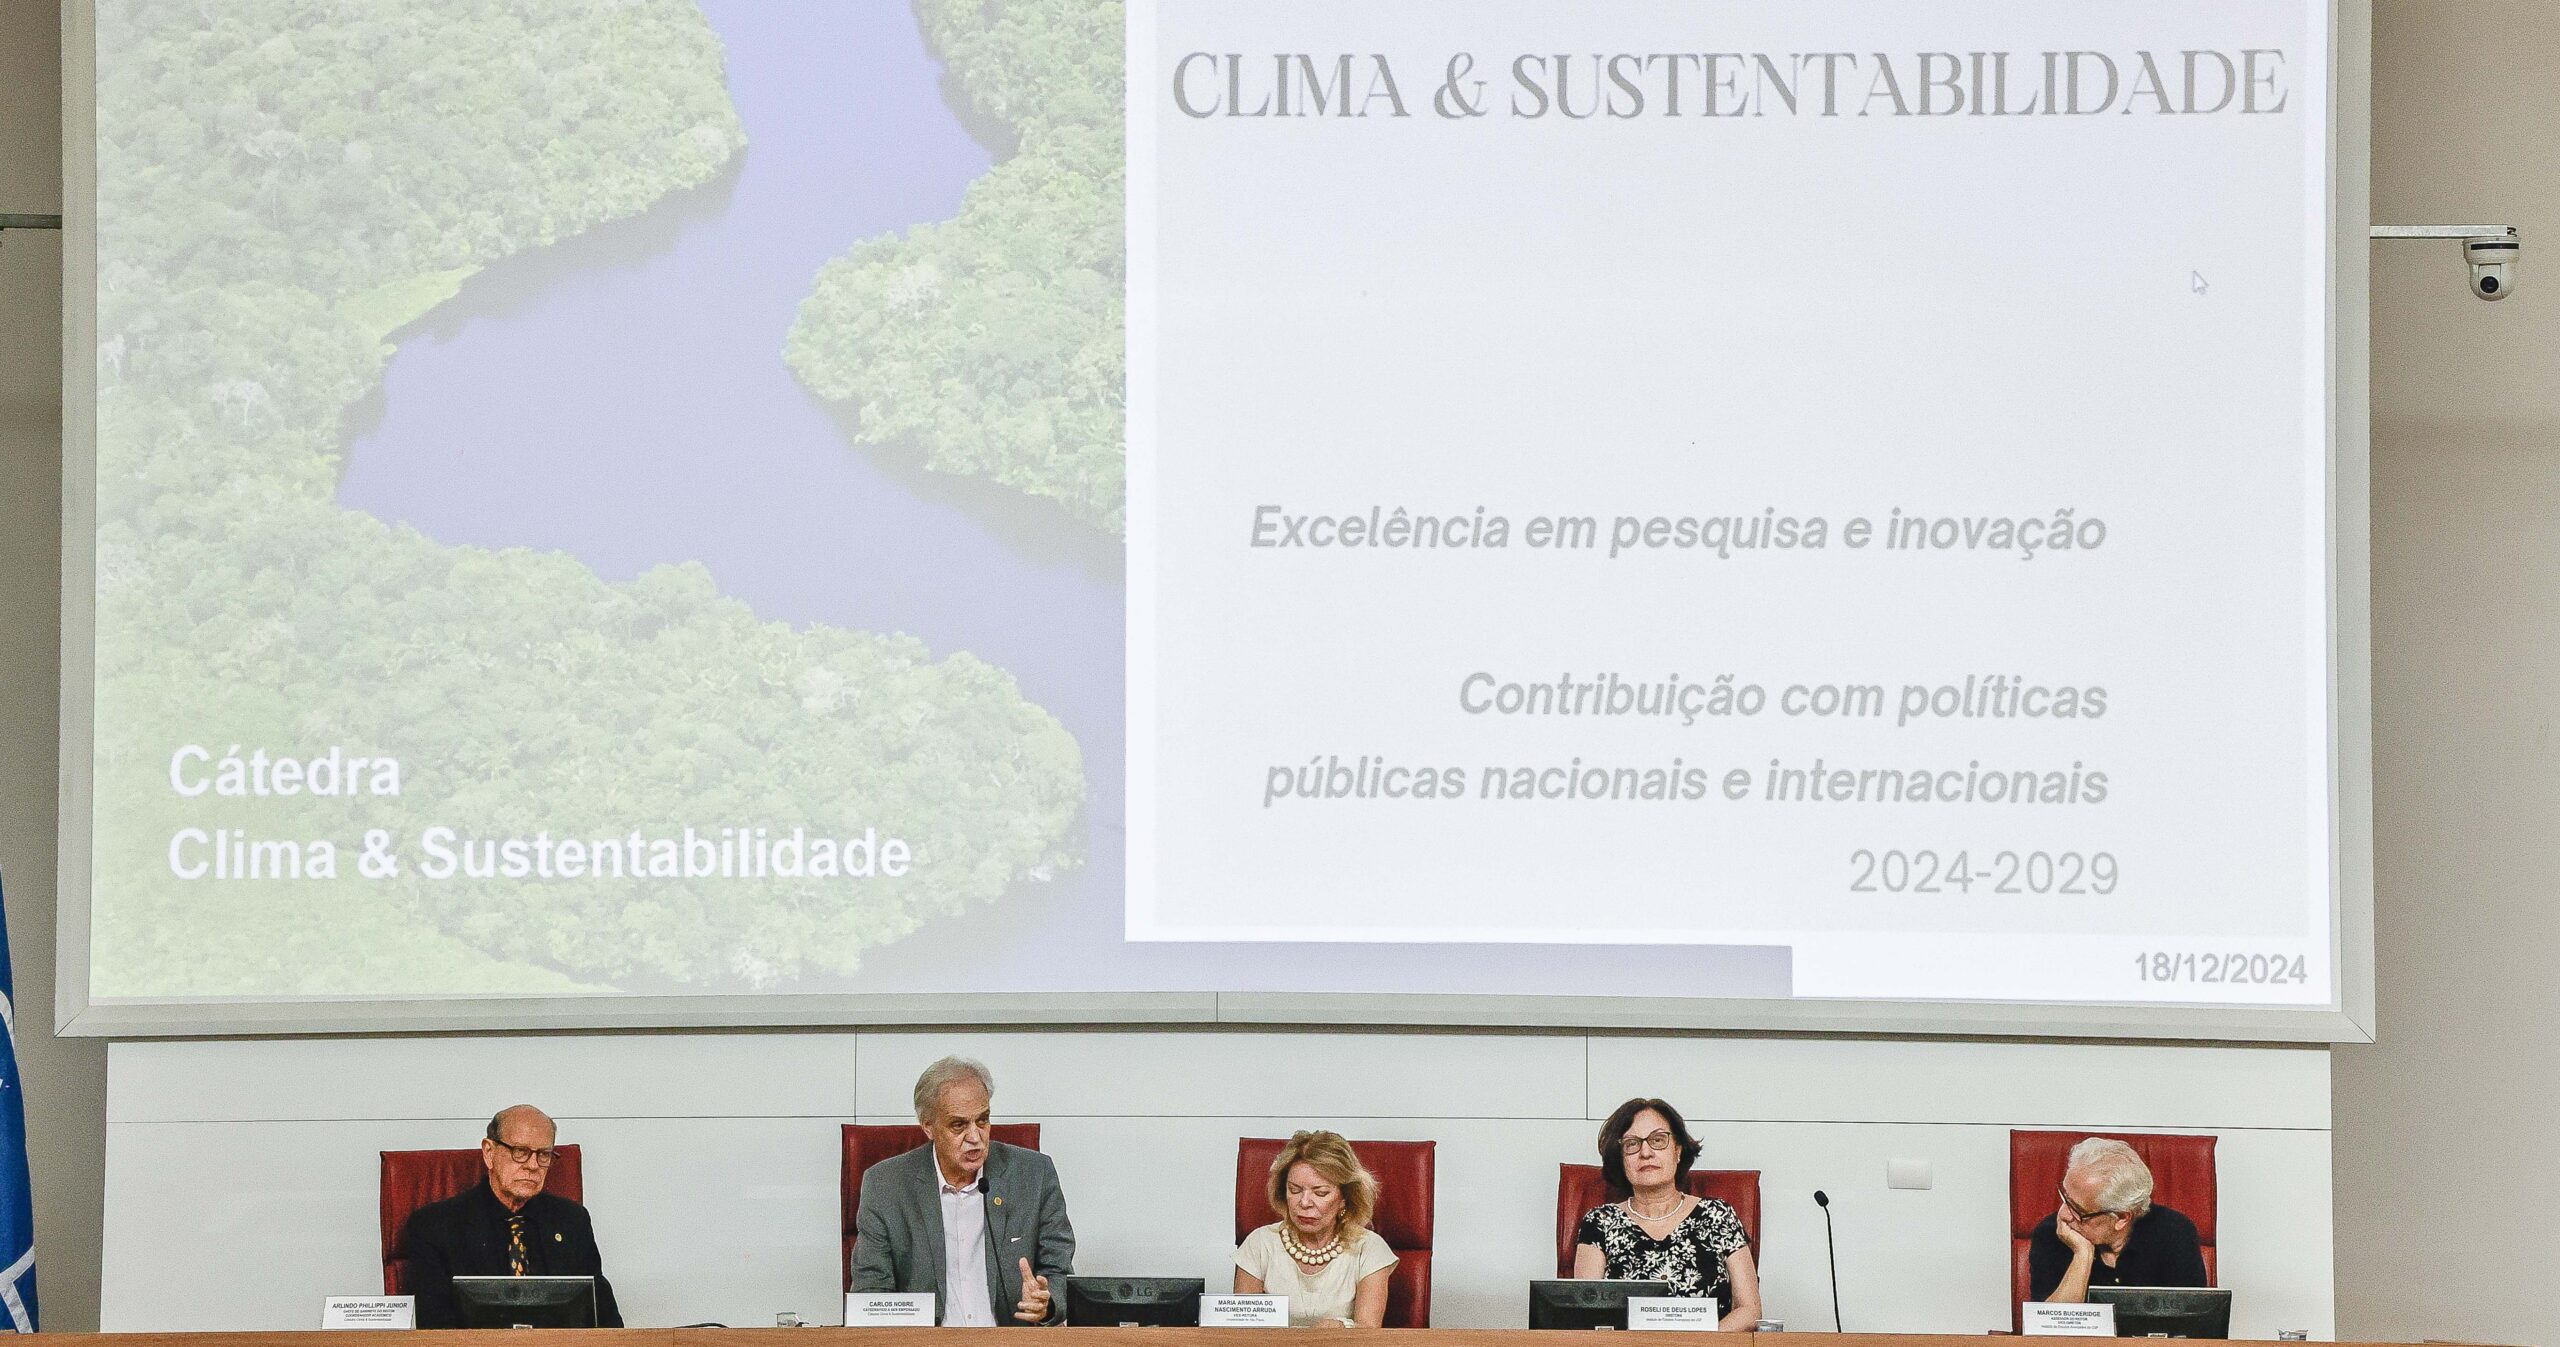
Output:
x=1034 y=1308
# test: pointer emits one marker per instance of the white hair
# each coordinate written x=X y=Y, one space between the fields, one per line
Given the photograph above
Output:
x=944 y=1074
x=2124 y=1182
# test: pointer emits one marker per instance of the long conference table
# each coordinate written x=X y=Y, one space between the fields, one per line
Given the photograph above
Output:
x=960 y=1337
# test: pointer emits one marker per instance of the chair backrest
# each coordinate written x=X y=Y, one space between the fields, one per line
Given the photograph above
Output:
x=1579 y=1188
x=412 y=1179
x=867 y=1144
x=2181 y=1177
x=1406 y=1198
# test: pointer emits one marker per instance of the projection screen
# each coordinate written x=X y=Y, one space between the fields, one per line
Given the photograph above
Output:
x=1755 y=515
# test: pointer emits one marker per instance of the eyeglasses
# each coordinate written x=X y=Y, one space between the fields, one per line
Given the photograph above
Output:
x=540 y=1157
x=1659 y=1141
x=2077 y=1212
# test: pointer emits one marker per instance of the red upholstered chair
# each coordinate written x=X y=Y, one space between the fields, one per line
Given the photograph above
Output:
x=2181 y=1177
x=412 y=1179
x=1579 y=1188
x=867 y=1144
x=1406 y=1198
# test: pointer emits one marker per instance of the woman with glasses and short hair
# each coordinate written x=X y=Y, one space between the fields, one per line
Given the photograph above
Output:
x=2108 y=1232
x=1654 y=1230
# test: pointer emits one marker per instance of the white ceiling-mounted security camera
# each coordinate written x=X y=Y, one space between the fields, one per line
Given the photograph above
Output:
x=2490 y=251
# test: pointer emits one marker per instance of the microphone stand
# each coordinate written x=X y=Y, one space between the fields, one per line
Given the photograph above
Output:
x=1832 y=1247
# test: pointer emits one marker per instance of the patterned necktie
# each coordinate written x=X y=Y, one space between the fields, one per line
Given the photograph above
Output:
x=515 y=1244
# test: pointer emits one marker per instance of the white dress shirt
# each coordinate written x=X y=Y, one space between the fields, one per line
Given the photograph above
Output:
x=964 y=1255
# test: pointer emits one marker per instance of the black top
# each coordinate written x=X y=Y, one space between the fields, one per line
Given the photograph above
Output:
x=466 y=1236
x=2162 y=1251
x=1691 y=1258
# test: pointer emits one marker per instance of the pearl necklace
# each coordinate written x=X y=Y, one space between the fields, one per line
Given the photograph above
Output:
x=1303 y=1254
x=1642 y=1215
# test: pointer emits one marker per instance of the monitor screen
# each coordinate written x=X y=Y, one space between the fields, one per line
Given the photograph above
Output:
x=2167 y=1311
x=1586 y=1304
x=526 y=1302
x=1133 y=1302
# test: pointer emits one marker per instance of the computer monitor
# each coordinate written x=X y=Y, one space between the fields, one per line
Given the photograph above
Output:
x=1586 y=1304
x=1133 y=1302
x=2167 y=1311
x=526 y=1302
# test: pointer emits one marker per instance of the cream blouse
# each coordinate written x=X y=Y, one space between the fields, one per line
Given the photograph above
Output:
x=1313 y=1296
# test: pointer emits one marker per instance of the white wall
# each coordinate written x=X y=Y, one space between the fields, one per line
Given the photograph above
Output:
x=2447 y=1124
x=241 y=1176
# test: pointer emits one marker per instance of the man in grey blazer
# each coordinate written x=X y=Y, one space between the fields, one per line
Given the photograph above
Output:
x=978 y=1223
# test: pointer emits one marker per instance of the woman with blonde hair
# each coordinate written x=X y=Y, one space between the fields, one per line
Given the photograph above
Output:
x=1321 y=1253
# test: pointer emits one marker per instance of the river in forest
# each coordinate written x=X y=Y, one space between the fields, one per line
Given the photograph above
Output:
x=622 y=398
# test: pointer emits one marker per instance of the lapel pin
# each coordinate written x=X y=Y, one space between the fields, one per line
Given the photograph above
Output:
x=555 y=1236
x=997 y=1200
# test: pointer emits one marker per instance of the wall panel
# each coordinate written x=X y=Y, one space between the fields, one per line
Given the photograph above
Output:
x=241 y=1175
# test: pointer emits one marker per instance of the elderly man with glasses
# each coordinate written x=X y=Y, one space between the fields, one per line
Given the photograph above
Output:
x=505 y=1227
x=2108 y=1232
x=979 y=1224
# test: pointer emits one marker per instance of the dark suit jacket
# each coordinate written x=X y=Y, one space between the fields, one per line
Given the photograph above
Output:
x=897 y=1238
x=466 y=1236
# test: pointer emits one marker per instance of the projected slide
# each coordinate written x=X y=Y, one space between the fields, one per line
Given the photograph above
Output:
x=788 y=497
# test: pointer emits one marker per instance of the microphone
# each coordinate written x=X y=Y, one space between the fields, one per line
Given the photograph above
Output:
x=1823 y=1200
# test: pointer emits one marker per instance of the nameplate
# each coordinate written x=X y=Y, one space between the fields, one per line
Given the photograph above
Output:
x=1672 y=1314
x=879 y=1311
x=2069 y=1321
x=348 y=1312
x=1244 y=1311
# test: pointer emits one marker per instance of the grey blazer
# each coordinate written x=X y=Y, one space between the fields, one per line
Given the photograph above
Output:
x=897 y=1238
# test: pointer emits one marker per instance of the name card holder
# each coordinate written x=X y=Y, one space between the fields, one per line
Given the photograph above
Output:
x=339 y=1313
x=1244 y=1311
x=1672 y=1314
x=888 y=1311
x=2068 y=1321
